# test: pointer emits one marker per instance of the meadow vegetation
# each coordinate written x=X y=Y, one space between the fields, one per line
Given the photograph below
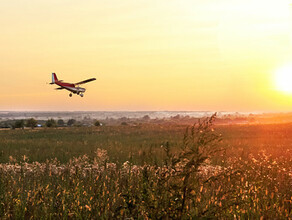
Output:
x=148 y=171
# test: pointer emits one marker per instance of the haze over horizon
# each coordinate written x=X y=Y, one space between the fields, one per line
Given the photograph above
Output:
x=147 y=55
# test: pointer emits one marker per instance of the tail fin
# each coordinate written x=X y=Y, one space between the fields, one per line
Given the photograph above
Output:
x=54 y=78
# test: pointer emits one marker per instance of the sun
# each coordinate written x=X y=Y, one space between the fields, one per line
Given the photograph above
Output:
x=283 y=79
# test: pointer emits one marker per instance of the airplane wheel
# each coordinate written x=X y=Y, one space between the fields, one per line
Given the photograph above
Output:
x=81 y=95
x=70 y=94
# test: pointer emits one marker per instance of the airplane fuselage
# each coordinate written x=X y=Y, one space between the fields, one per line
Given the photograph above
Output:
x=71 y=87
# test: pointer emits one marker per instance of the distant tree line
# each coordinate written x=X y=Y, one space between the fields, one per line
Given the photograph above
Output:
x=31 y=123
x=50 y=123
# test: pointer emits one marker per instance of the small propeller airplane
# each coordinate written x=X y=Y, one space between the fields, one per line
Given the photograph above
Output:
x=72 y=87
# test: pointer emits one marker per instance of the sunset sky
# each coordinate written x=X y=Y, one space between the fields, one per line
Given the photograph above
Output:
x=214 y=55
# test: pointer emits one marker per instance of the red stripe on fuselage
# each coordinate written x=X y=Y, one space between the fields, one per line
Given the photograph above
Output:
x=65 y=84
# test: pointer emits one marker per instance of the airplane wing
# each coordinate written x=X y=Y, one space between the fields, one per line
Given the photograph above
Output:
x=59 y=88
x=85 y=81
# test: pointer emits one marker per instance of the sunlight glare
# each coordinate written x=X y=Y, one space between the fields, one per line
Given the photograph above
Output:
x=283 y=79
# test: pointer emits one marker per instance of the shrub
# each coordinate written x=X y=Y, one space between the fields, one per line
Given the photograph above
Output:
x=19 y=124
x=61 y=122
x=51 y=123
x=71 y=122
x=97 y=123
x=32 y=123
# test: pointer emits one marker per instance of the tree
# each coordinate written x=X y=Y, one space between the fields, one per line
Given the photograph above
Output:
x=61 y=122
x=51 y=123
x=177 y=117
x=19 y=124
x=31 y=123
x=146 y=117
x=71 y=122
x=97 y=123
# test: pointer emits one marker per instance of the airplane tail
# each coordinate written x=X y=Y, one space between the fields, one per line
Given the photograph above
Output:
x=54 y=78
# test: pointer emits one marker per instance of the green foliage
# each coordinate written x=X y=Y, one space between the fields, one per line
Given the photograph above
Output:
x=71 y=122
x=19 y=124
x=32 y=123
x=60 y=122
x=51 y=123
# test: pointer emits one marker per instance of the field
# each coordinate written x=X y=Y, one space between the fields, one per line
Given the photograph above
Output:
x=148 y=171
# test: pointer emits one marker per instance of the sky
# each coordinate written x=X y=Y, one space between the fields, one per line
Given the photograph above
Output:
x=203 y=55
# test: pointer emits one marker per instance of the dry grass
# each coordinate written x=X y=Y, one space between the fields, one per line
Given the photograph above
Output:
x=197 y=177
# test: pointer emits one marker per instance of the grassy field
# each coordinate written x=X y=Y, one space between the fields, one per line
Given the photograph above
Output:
x=125 y=142
x=148 y=171
x=120 y=141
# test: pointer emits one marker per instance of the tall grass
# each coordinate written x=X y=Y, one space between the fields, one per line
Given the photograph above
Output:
x=193 y=180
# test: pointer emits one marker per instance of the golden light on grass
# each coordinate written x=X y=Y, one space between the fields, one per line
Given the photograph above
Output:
x=283 y=79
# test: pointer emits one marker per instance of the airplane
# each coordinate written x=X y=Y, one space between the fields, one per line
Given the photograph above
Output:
x=72 y=87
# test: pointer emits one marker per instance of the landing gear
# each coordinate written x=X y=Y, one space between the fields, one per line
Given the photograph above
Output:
x=81 y=95
x=70 y=94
